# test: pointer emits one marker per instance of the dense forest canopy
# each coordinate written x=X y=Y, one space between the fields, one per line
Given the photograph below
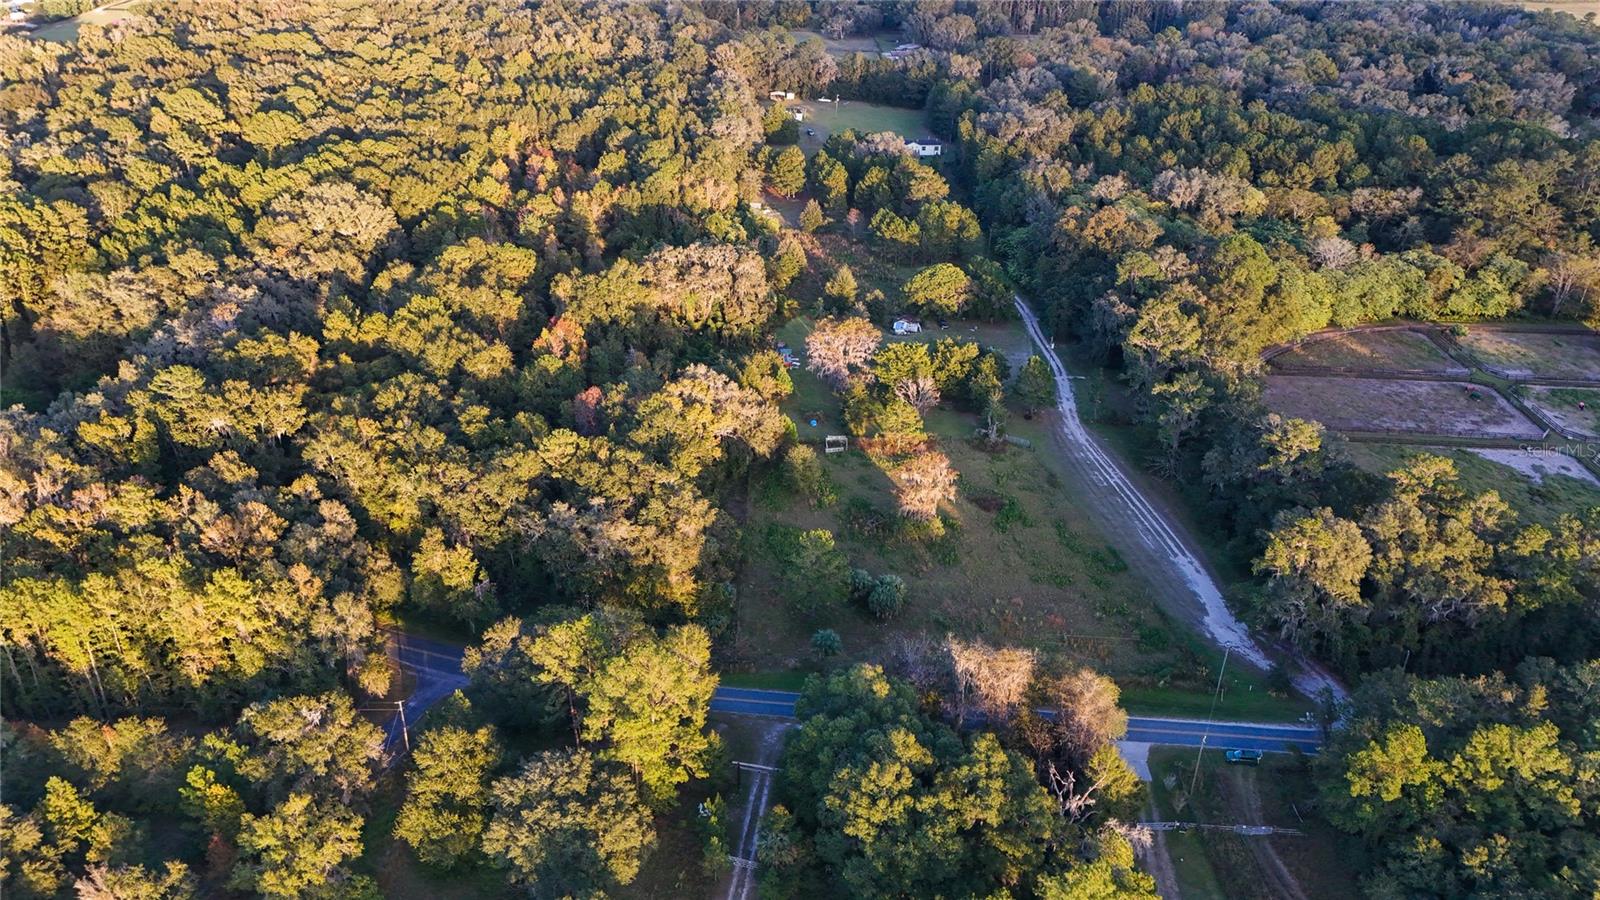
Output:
x=316 y=314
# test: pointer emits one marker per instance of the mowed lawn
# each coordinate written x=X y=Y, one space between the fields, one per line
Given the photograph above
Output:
x=1395 y=350
x=866 y=118
x=853 y=43
x=67 y=29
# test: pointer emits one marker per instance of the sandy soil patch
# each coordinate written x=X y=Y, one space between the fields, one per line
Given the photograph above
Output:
x=1395 y=405
x=1521 y=354
x=1538 y=464
x=1407 y=350
x=1575 y=409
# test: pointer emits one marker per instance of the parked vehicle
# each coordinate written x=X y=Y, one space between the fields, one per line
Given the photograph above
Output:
x=1243 y=757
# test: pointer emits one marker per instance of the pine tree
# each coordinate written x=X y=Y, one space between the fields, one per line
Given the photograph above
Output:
x=786 y=171
x=1035 y=387
x=811 y=217
x=841 y=287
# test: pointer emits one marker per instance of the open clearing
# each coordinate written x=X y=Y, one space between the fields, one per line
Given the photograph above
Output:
x=1561 y=405
x=1018 y=566
x=67 y=29
x=871 y=44
x=1541 y=484
x=1362 y=350
x=1021 y=564
x=1537 y=465
x=1530 y=354
x=1578 y=8
x=1453 y=408
x=1319 y=864
x=866 y=118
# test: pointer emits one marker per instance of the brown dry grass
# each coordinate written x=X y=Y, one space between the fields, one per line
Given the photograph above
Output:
x=1371 y=350
x=1521 y=354
x=1453 y=408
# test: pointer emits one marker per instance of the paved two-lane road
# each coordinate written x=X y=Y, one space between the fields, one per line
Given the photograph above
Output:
x=1141 y=729
x=437 y=668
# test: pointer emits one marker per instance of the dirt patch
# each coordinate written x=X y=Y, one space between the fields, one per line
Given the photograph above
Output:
x=1522 y=354
x=1454 y=408
x=1394 y=350
x=1577 y=410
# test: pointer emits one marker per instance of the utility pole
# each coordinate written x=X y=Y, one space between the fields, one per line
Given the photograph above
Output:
x=1215 y=695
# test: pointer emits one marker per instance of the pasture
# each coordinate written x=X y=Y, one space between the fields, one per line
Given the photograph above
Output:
x=1369 y=350
x=1575 y=409
x=1576 y=8
x=1454 y=408
x=1529 y=354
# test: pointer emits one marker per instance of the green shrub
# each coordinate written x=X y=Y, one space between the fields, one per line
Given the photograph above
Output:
x=811 y=571
x=804 y=475
x=826 y=643
x=887 y=597
x=1011 y=513
x=861 y=585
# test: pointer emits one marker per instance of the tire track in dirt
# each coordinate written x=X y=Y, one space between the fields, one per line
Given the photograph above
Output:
x=1244 y=802
x=742 y=881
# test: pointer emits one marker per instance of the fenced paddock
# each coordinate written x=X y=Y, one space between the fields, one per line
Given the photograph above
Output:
x=1564 y=355
x=1381 y=405
x=1575 y=412
x=1391 y=350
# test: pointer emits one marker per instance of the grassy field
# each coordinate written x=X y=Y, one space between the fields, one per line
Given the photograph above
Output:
x=1020 y=565
x=1523 y=354
x=1016 y=566
x=1578 y=8
x=1383 y=404
x=866 y=118
x=855 y=43
x=1539 y=496
x=1371 y=350
x=1562 y=406
x=1214 y=864
x=67 y=29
